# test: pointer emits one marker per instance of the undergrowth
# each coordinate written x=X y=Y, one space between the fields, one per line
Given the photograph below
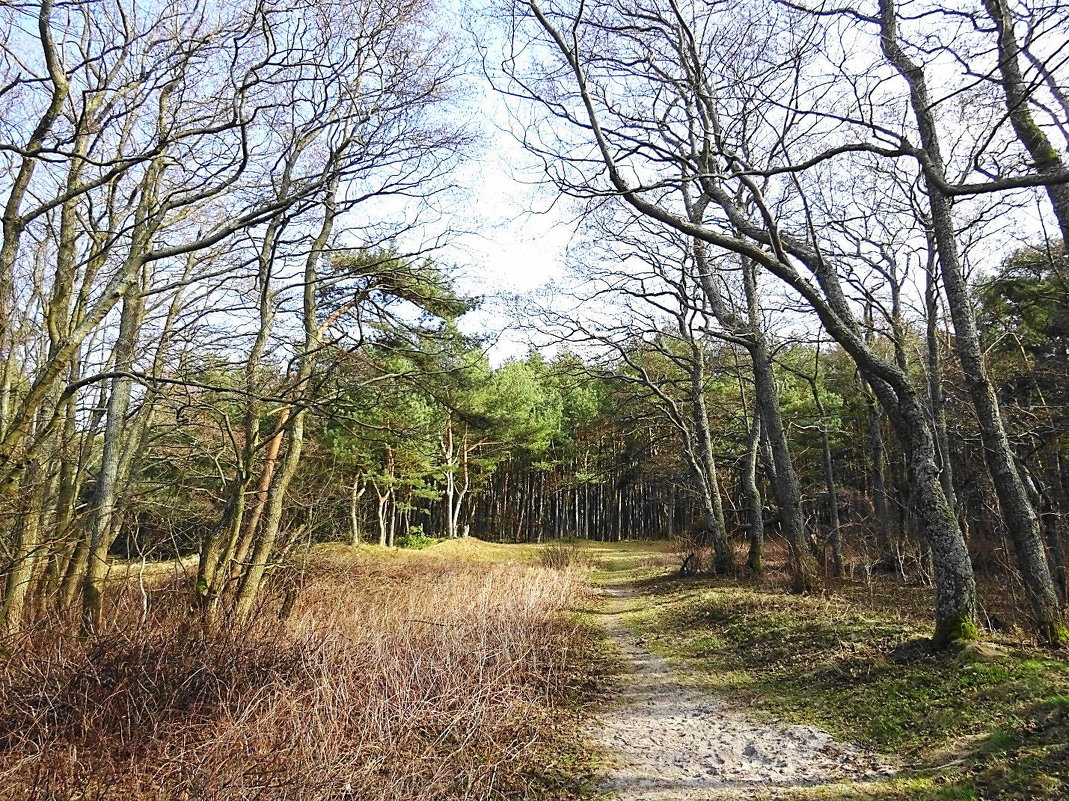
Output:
x=390 y=679
x=989 y=722
x=562 y=554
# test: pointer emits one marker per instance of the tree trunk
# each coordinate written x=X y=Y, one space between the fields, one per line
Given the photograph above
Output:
x=835 y=534
x=382 y=510
x=752 y=495
x=935 y=386
x=723 y=555
x=265 y=542
x=355 y=495
x=252 y=578
x=1018 y=513
x=240 y=553
x=955 y=584
x=783 y=479
x=27 y=545
x=101 y=523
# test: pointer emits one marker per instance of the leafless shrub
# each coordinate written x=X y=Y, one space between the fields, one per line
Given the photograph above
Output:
x=562 y=555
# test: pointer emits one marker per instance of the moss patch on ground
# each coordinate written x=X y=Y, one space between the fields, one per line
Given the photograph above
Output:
x=986 y=722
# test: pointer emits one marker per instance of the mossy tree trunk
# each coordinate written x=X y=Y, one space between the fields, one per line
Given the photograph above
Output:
x=1016 y=507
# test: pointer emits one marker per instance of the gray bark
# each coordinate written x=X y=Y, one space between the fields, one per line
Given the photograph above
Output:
x=1018 y=513
x=935 y=388
x=355 y=494
x=723 y=555
x=783 y=478
x=835 y=532
x=27 y=545
x=102 y=523
x=752 y=494
x=1017 y=92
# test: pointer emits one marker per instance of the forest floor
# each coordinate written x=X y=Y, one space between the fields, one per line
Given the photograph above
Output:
x=728 y=690
x=554 y=672
x=671 y=740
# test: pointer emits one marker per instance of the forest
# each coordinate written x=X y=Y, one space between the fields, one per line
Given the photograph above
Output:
x=296 y=502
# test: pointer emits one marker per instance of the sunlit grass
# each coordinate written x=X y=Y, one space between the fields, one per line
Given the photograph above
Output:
x=989 y=722
x=448 y=673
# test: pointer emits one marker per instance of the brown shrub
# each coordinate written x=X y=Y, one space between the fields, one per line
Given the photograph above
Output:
x=405 y=680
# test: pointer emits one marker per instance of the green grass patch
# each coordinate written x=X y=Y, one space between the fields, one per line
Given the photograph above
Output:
x=981 y=723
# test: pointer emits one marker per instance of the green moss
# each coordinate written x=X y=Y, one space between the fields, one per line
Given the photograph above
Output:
x=1058 y=635
x=898 y=789
x=956 y=630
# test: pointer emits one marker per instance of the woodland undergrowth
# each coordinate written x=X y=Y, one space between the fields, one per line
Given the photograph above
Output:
x=418 y=678
x=989 y=721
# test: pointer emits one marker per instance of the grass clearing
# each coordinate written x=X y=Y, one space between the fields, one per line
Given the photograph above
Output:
x=466 y=549
x=990 y=722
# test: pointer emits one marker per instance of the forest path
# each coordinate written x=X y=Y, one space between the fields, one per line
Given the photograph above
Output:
x=672 y=742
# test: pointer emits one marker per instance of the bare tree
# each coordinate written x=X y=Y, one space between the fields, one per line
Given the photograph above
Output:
x=1021 y=97
x=652 y=321
x=676 y=127
x=173 y=147
x=1017 y=510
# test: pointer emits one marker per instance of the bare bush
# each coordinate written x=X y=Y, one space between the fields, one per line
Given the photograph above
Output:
x=562 y=555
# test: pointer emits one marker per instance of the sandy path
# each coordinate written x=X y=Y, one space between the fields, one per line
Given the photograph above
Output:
x=669 y=741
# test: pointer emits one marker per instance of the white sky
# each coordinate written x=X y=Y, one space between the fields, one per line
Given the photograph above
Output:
x=513 y=236
x=516 y=245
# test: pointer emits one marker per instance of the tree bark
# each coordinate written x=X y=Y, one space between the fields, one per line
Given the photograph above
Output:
x=27 y=546
x=252 y=578
x=783 y=478
x=102 y=523
x=723 y=555
x=1018 y=513
x=835 y=533
x=752 y=495
x=355 y=494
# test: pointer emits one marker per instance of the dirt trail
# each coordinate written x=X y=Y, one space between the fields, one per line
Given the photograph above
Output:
x=674 y=743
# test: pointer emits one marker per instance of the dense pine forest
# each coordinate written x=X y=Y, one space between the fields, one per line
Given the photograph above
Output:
x=300 y=497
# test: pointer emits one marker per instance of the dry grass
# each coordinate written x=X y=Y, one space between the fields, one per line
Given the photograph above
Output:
x=562 y=555
x=421 y=678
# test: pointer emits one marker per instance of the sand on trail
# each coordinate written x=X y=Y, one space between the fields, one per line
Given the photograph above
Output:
x=670 y=742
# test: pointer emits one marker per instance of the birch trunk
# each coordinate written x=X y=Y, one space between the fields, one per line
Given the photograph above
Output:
x=355 y=494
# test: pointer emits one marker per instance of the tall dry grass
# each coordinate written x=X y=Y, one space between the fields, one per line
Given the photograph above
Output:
x=413 y=679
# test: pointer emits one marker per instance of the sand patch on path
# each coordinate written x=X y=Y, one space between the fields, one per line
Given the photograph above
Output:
x=670 y=742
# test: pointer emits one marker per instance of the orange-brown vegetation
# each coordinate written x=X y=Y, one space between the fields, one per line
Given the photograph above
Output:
x=410 y=678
